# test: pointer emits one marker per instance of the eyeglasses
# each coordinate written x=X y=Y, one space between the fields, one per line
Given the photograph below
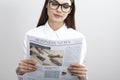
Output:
x=65 y=7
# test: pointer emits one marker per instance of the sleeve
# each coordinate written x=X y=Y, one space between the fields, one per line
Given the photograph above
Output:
x=83 y=57
x=83 y=52
x=25 y=47
x=20 y=77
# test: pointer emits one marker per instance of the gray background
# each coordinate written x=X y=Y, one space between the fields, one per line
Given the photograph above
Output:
x=98 y=20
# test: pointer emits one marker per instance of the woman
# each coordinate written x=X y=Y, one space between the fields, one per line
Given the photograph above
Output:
x=57 y=22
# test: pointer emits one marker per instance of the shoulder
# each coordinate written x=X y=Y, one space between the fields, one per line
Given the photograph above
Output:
x=75 y=33
x=35 y=31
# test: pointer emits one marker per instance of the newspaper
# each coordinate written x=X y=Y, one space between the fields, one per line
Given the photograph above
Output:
x=53 y=57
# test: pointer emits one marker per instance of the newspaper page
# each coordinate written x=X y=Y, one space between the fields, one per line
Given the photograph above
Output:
x=53 y=58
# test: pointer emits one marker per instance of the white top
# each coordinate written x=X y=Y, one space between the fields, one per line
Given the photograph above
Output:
x=63 y=33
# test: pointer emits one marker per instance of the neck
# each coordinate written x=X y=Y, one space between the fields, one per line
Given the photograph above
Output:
x=55 y=25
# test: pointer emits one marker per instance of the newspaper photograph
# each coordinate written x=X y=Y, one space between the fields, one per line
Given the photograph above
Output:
x=53 y=57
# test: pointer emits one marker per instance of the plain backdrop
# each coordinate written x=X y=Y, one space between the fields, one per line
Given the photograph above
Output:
x=98 y=20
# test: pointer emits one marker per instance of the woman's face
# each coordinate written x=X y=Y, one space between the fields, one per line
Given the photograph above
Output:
x=58 y=10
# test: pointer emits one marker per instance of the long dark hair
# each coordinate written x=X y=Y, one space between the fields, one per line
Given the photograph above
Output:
x=69 y=21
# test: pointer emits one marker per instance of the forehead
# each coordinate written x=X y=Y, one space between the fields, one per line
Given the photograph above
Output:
x=64 y=1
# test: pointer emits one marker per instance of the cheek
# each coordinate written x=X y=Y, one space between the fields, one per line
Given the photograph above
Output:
x=65 y=16
x=49 y=12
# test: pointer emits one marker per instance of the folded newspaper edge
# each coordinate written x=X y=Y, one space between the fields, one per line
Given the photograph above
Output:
x=53 y=57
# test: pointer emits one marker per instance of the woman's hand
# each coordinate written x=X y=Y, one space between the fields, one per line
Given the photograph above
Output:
x=26 y=65
x=78 y=70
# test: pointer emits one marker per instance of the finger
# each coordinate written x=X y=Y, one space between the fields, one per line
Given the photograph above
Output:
x=26 y=68
x=78 y=72
x=23 y=70
x=82 y=77
x=29 y=61
x=79 y=75
x=77 y=65
x=77 y=69
x=27 y=65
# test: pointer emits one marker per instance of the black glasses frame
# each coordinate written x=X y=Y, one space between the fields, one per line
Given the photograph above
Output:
x=60 y=5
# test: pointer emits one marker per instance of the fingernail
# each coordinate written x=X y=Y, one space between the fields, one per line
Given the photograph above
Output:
x=69 y=67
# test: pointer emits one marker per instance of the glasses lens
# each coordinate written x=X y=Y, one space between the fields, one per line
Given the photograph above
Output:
x=66 y=7
x=53 y=4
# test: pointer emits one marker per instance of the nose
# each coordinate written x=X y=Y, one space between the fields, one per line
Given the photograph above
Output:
x=59 y=9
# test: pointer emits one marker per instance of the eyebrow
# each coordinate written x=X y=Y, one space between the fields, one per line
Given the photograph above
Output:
x=59 y=3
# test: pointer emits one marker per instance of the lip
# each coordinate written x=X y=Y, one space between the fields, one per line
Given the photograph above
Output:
x=57 y=15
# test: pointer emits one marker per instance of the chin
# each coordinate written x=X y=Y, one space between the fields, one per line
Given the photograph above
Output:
x=58 y=20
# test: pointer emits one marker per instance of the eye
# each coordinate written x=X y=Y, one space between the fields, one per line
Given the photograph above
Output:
x=54 y=3
x=66 y=6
